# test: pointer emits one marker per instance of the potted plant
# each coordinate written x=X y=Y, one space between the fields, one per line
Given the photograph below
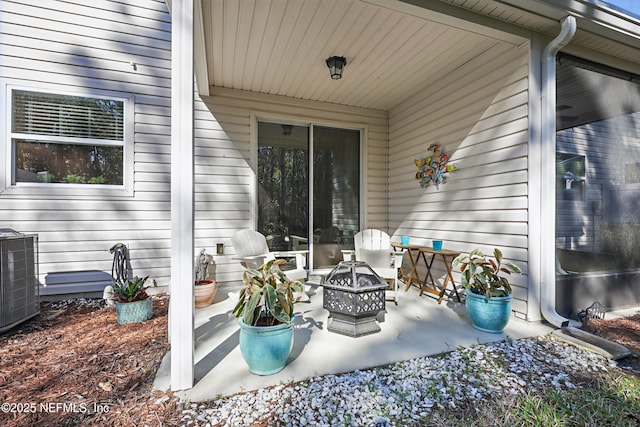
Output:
x=488 y=292
x=133 y=304
x=205 y=285
x=264 y=311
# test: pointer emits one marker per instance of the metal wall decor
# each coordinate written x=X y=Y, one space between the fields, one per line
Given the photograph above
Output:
x=435 y=168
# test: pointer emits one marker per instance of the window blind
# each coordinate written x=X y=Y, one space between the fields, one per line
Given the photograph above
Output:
x=50 y=114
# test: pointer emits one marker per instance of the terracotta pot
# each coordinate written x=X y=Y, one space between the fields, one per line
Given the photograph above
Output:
x=204 y=292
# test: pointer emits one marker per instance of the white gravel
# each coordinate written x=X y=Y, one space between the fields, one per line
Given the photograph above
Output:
x=405 y=392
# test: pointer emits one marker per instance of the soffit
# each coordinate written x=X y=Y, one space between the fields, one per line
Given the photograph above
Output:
x=600 y=28
x=279 y=47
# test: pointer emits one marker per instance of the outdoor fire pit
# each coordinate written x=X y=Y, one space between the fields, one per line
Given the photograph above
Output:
x=354 y=294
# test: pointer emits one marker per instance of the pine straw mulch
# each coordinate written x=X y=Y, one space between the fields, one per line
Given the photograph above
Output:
x=624 y=331
x=74 y=365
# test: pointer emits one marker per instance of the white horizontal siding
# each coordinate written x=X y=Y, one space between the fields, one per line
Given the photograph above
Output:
x=479 y=115
x=224 y=178
x=75 y=46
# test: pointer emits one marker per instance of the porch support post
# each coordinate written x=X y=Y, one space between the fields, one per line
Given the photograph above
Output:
x=534 y=311
x=181 y=306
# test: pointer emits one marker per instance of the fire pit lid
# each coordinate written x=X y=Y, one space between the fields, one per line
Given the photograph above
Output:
x=354 y=276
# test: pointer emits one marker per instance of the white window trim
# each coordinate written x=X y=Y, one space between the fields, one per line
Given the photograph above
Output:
x=8 y=187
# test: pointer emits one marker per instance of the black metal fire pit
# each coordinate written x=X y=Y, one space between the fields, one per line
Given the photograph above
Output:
x=354 y=294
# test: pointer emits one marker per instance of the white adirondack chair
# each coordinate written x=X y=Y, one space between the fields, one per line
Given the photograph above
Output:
x=374 y=247
x=252 y=251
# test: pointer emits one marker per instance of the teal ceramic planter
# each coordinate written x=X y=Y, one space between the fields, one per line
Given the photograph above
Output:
x=265 y=348
x=133 y=312
x=488 y=316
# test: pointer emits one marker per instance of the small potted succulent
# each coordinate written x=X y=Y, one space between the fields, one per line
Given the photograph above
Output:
x=265 y=311
x=133 y=304
x=205 y=285
x=488 y=292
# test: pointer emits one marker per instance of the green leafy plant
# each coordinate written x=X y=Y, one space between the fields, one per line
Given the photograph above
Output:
x=130 y=290
x=481 y=275
x=97 y=180
x=74 y=179
x=267 y=296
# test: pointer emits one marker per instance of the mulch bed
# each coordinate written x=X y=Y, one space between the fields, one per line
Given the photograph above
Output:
x=74 y=365
x=624 y=331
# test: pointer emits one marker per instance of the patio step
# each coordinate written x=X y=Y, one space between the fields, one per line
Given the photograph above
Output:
x=580 y=338
x=74 y=284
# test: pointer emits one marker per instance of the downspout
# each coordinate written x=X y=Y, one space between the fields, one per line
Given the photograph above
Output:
x=548 y=155
x=568 y=328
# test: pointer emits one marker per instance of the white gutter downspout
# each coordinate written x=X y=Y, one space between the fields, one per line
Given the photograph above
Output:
x=548 y=154
x=568 y=328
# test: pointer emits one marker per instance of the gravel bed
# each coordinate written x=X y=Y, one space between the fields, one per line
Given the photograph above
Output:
x=405 y=392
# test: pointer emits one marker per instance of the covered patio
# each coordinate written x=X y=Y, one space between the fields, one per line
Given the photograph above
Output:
x=414 y=76
x=468 y=79
x=413 y=328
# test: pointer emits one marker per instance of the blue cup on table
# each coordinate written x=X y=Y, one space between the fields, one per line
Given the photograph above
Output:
x=404 y=240
x=437 y=245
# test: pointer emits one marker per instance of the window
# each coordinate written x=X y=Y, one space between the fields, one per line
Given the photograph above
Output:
x=67 y=139
x=632 y=173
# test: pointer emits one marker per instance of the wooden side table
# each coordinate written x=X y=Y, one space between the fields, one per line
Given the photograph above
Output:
x=429 y=284
x=414 y=253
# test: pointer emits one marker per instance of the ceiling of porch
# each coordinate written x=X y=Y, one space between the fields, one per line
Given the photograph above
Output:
x=393 y=48
x=280 y=47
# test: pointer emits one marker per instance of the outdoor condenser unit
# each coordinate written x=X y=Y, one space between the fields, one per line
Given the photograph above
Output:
x=19 y=299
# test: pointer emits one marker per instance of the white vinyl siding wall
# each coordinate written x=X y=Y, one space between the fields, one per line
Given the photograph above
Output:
x=115 y=49
x=226 y=206
x=479 y=116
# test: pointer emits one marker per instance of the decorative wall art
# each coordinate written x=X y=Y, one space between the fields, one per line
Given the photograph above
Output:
x=435 y=168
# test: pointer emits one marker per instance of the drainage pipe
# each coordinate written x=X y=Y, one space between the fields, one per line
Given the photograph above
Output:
x=548 y=155
x=568 y=331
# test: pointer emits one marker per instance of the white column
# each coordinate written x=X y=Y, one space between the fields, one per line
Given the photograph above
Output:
x=181 y=306
x=534 y=313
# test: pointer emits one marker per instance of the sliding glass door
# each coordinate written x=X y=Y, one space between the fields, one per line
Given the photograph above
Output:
x=309 y=189
x=283 y=185
x=336 y=193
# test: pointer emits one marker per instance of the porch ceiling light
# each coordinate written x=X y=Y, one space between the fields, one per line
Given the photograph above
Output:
x=336 y=65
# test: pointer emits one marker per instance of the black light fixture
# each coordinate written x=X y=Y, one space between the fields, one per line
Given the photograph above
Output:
x=336 y=65
x=286 y=129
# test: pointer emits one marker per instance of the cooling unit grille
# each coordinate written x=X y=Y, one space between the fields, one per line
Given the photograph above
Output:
x=19 y=299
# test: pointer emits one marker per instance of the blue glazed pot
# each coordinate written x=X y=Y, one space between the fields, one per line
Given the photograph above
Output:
x=488 y=316
x=133 y=312
x=265 y=348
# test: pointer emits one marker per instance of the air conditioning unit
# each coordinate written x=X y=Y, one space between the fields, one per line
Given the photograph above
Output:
x=19 y=299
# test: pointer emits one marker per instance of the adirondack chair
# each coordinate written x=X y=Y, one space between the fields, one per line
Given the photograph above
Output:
x=374 y=247
x=252 y=251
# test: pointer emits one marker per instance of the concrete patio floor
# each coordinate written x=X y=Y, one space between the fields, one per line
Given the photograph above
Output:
x=417 y=326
